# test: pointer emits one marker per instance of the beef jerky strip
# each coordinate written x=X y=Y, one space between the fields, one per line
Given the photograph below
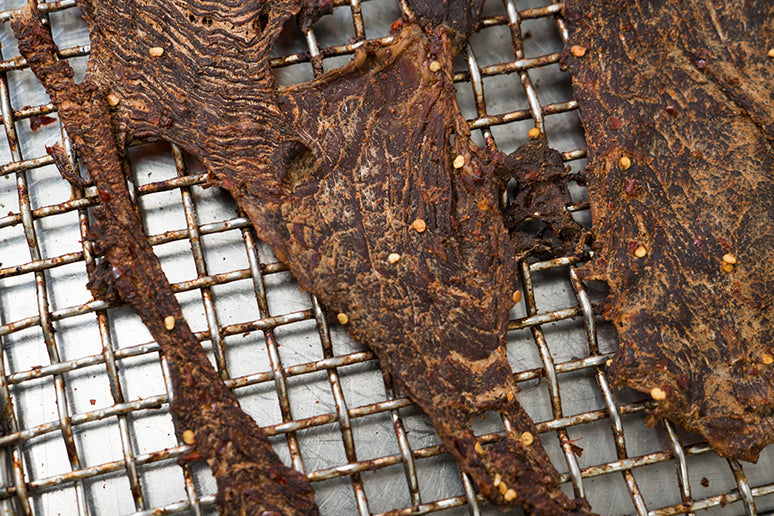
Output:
x=398 y=229
x=251 y=478
x=332 y=224
x=677 y=99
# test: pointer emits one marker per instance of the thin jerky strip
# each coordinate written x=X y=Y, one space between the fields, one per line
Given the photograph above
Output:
x=251 y=478
x=677 y=99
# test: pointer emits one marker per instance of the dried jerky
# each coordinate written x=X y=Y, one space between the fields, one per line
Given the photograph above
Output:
x=333 y=175
x=684 y=225
x=434 y=301
x=251 y=478
x=460 y=18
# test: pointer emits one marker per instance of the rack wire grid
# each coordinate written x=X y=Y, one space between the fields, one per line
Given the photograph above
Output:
x=86 y=427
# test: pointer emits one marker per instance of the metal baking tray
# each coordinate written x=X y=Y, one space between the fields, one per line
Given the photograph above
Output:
x=85 y=427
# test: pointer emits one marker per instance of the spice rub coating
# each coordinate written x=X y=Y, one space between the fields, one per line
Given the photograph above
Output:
x=433 y=304
x=251 y=478
x=354 y=182
x=677 y=99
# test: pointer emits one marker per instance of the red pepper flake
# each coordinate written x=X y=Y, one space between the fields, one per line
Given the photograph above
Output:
x=701 y=64
x=615 y=123
x=105 y=196
x=632 y=246
x=683 y=382
x=704 y=482
x=672 y=111
x=631 y=187
x=38 y=121
x=476 y=171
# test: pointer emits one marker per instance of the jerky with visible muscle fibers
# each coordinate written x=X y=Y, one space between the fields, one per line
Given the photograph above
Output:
x=677 y=99
x=333 y=174
x=251 y=478
x=434 y=304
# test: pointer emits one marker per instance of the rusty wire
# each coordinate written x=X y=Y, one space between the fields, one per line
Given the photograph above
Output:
x=23 y=491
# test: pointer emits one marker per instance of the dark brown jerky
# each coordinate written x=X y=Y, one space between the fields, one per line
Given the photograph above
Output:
x=311 y=10
x=540 y=196
x=332 y=178
x=693 y=91
x=437 y=316
x=251 y=478
x=462 y=17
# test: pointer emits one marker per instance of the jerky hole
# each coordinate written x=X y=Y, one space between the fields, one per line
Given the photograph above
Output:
x=489 y=422
x=296 y=162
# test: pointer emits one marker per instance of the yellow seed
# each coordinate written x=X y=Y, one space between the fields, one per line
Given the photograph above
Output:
x=770 y=53
x=113 y=99
x=509 y=495
x=767 y=359
x=657 y=394
x=516 y=296
x=343 y=318
x=727 y=267
x=527 y=438
x=534 y=132
x=169 y=322
x=156 y=51
x=625 y=162
x=479 y=449
x=578 y=51
x=459 y=161
x=502 y=487
x=188 y=437
x=497 y=479
x=419 y=225
x=729 y=258
x=435 y=66
x=609 y=362
x=640 y=252
x=393 y=258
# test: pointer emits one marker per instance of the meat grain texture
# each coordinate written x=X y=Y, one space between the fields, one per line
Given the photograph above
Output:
x=251 y=478
x=334 y=174
x=685 y=235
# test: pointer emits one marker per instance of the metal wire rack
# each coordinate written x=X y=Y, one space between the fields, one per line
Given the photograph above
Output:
x=85 y=426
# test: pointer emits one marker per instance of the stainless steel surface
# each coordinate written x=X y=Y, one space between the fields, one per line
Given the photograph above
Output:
x=85 y=422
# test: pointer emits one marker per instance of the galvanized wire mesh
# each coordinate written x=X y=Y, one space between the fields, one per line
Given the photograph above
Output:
x=85 y=422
